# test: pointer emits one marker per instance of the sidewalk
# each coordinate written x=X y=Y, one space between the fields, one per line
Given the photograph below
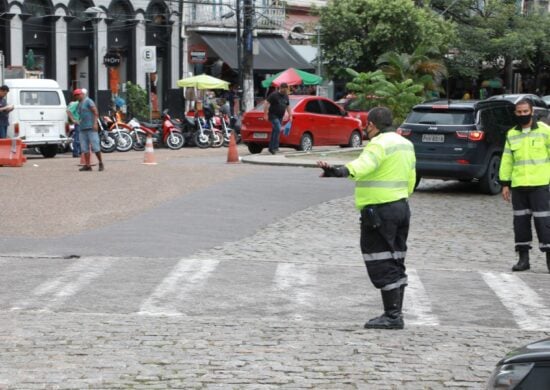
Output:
x=338 y=156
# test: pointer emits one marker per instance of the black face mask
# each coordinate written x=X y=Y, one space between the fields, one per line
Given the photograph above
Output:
x=523 y=119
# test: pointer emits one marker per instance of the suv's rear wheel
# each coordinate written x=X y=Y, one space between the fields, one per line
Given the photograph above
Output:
x=488 y=183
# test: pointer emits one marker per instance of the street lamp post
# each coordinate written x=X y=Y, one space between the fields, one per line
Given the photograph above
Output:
x=95 y=14
x=239 y=58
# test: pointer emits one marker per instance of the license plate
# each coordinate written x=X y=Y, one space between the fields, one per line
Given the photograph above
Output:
x=433 y=137
x=41 y=129
x=259 y=135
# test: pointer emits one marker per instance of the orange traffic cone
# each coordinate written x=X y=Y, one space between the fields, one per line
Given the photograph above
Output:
x=232 y=152
x=149 y=158
x=93 y=158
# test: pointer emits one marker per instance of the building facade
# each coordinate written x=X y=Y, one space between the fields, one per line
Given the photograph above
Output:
x=96 y=45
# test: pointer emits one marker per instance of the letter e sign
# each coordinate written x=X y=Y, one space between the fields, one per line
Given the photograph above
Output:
x=149 y=59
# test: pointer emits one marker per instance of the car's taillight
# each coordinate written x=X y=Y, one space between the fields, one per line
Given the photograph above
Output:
x=16 y=130
x=463 y=162
x=472 y=135
x=403 y=131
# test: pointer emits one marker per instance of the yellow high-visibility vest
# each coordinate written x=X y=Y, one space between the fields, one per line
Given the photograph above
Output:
x=385 y=171
x=526 y=157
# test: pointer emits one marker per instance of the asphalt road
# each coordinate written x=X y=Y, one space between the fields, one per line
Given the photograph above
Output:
x=200 y=274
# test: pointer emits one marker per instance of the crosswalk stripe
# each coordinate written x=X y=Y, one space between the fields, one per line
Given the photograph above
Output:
x=187 y=275
x=295 y=281
x=74 y=278
x=417 y=303
x=526 y=306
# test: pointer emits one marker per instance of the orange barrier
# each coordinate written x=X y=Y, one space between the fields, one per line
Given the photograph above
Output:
x=232 y=152
x=11 y=152
x=149 y=158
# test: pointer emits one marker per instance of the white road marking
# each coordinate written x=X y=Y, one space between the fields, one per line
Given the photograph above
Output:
x=187 y=275
x=296 y=280
x=416 y=303
x=526 y=306
x=74 y=278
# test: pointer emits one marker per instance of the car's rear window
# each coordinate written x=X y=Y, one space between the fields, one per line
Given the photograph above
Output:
x=39 y=98
x=444 y=117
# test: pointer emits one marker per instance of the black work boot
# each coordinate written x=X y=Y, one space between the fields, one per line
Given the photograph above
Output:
x=523 y=262
x=548 y=261
x=401 y=298
x=391 y=319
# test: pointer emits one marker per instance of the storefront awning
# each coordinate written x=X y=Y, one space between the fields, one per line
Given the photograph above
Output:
x=275 y=53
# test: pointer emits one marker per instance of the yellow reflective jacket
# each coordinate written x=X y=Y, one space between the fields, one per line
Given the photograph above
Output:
x=385 y=170
x=526 y=157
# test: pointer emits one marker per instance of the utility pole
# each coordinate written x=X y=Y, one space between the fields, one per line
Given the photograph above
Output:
x=248 y=55
x=239 y=57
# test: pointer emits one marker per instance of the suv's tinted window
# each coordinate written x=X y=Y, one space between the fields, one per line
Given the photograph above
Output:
x=443 y=117
x=503 y=117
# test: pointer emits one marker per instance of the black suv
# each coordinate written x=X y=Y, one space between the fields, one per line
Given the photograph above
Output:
x=540 y=107
x=460 y=139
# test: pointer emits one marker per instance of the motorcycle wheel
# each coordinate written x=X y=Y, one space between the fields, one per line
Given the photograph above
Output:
x=139 y=141
x=107 y=143
x=203 y=140
x=124 y=141
x=175 y=141
x=217 y=139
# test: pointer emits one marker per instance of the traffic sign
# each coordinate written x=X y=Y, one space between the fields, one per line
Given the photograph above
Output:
x=149 y=58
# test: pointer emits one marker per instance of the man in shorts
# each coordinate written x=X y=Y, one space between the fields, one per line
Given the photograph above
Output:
x=89 y=136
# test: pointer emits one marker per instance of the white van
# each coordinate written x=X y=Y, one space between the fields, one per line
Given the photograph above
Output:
x=39 y=117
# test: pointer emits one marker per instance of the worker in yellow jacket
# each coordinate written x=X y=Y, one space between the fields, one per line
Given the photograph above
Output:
x=525 y=168
x=384 y=176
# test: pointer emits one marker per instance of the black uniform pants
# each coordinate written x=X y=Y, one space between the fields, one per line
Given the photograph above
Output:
x=384 y=246
x=535 y=203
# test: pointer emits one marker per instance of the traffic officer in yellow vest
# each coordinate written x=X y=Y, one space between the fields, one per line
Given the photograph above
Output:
x=525 y=167
x=384 y=176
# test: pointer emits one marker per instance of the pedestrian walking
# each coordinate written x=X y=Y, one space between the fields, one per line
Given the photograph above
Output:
x=89 y=136
x=274 y=111
x=74 y=119
x=525 y=178
x=384 y=176
x=5 y=110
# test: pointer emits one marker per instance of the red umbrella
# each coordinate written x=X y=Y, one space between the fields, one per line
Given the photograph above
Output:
x=292 y=76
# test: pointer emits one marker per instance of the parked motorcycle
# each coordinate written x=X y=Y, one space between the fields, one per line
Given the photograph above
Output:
x=120 y=133
x=165 y=133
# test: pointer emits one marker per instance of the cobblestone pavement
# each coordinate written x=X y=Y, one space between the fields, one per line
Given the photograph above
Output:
x=281 y=308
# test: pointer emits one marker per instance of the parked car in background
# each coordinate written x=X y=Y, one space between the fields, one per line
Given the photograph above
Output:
x=540 y=108
x=460 y=139
x=350 y=105
x=525 y=368
x=316 y=121
x=546 y=99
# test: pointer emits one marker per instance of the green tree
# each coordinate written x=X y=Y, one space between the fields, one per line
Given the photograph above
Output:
x=491 y=35
x=421 y=66
x=136 y=100
x=374 y=89
x=357 y=32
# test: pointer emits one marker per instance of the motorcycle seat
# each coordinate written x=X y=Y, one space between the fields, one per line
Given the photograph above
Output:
x=152 y=125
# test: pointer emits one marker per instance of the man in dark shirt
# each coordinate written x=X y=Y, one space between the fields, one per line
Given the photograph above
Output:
x=274 y=110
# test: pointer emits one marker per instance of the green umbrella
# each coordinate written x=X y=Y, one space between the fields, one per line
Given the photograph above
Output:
x=292 y=76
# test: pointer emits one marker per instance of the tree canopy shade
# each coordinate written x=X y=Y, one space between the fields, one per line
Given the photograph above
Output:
x=356 y=32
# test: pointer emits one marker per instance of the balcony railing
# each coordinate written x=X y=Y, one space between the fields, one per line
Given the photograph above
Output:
x=210 y=15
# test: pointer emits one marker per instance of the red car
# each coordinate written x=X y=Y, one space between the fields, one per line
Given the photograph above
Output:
x=316 y=121
x=348 y=105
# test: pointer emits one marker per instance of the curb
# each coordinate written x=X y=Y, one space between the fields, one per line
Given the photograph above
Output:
x=293 y=158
